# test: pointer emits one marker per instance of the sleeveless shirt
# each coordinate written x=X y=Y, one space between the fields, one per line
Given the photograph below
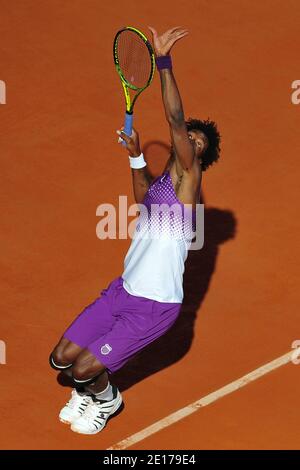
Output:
x=154 y=263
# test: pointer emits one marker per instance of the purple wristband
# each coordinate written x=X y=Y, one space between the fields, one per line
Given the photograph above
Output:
x=163 y=62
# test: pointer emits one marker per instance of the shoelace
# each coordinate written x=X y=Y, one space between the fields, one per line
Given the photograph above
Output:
x=93 y=412
x=77 y=398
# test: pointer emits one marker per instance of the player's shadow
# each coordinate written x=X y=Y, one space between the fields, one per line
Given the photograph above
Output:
x=219 y=226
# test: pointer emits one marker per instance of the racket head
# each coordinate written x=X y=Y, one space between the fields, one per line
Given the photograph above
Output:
x=134 y=58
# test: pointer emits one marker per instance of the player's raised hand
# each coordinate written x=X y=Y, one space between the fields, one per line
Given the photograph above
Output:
x=164 y=43
x=132 y=142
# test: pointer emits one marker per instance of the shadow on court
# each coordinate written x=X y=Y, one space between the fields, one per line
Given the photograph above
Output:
x=220 y=226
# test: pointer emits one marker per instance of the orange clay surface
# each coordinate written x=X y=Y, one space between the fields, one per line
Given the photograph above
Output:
x=60 y=160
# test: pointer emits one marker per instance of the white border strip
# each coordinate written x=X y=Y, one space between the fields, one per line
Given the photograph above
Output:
x=188 y=410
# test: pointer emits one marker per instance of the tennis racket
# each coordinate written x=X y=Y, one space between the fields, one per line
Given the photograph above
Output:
x=135 y=64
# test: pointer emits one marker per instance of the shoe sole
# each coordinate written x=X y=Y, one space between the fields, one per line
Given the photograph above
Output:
x=113 y=411
x=68 y=422
x=65 y=422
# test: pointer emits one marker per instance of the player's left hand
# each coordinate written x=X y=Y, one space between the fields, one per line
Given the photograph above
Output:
x=164 y=43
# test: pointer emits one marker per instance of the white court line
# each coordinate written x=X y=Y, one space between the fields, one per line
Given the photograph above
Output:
x=188 y=410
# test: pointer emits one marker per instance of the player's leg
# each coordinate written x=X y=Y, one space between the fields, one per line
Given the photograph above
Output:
x=94 y=321
x=139 y=321
x=89 y=372
x=61 y=359
x=63 y=356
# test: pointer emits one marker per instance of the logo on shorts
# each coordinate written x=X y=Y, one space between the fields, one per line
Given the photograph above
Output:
x=106 y=349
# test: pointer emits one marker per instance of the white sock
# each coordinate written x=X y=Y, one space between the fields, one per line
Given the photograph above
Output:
x=106 y=394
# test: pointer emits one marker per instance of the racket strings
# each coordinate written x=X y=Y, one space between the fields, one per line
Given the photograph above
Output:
x=134 y=59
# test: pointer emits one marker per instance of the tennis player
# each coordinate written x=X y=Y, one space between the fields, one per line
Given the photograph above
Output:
x=144 y=302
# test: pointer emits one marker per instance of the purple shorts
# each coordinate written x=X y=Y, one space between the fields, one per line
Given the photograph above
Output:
x=118 y=325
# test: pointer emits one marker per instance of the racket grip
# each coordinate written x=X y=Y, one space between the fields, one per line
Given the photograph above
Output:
x=128 y=125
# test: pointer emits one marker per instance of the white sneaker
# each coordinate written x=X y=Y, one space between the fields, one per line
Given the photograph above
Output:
x=75 y=407
x=97 y=413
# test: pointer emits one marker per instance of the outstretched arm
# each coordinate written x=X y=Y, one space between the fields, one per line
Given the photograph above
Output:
x=184 y=151
x=141 y=178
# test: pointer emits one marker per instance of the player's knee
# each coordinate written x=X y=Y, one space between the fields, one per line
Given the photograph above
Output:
x=83 y=376
x=82 y=372
x=58 y=360
x=86 y=371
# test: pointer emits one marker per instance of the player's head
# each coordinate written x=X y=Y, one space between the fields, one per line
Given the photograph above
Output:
x=205 y=137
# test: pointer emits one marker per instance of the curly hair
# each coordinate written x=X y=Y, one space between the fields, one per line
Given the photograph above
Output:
x=209 y=128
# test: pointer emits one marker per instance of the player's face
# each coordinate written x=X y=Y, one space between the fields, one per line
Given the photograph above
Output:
x=199 y=141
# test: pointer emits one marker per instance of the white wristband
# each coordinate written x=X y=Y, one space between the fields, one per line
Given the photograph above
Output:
x=137 y=162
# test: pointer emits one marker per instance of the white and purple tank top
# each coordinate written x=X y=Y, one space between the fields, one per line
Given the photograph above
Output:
x=154 y=263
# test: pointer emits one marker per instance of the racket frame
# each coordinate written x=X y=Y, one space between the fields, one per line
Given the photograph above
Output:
x=129 y=86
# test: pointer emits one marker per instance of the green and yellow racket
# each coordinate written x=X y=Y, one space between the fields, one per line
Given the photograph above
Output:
x=135 y=63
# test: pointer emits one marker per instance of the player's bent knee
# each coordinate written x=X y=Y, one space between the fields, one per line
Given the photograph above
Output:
x=57 y=362
x=85 y=381
x=84 y=375
x=86 y=372
x=64 y=355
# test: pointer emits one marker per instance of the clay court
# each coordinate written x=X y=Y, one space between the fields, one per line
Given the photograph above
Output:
x=60 y=160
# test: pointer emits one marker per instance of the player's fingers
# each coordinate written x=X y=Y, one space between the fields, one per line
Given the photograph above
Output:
x=120 y=140
x=180 y=36
x=153 y=31
x=123 y=136
x=180 y=33
x=172 y=30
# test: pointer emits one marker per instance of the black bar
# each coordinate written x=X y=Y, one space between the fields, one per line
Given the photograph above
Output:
x=135 y=458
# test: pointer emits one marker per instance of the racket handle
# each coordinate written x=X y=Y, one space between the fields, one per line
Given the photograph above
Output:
x=128 y=125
